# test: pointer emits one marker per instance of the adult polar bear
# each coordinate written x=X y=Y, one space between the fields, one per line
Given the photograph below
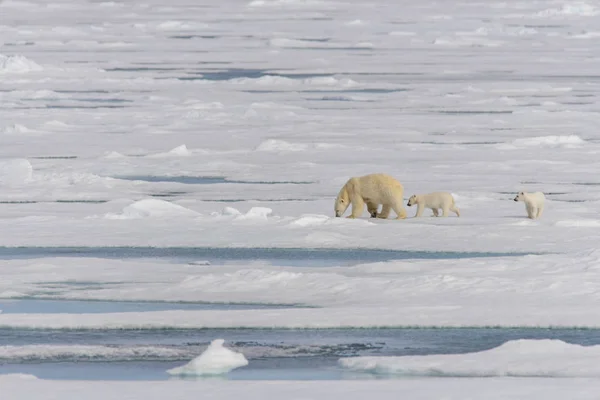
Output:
x=372 y=190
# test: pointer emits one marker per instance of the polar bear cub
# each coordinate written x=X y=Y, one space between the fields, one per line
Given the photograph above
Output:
x=534 y=203
x=434 y=200
x=372 y=190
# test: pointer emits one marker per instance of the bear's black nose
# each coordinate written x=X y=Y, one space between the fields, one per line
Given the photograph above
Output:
x=516 y=199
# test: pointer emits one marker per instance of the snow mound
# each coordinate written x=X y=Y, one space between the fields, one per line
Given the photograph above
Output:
x=577 y=9
x=15 y=129
x=174 y=26
x=280 y=145
x=152 y=208
x=330 y=81
x=550 y=141
x=113 y=154
x=179 y=151
x=532 y=358
x=215 y=360
x=17 y=64
x=356 y=22
x=256 y=213
x=310 y=220
x=15 y=172
x=230 y=211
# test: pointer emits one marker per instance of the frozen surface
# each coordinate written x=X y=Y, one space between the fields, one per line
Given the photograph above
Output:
x=24 y=387
x=215 y=360
x=203 y=124
x=549 y=290
x=519 y=358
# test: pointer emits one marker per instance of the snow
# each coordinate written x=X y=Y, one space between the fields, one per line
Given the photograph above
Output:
x=27 y=387
x=246 y=135
x=550 y=141
x=16 y=171
x=517 y=358
x=17 y=64
x=152 y=208
x=215 y=360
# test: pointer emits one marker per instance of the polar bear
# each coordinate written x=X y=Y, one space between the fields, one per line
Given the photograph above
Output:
x=534 y=203
x=372 y=190
x=434 y=200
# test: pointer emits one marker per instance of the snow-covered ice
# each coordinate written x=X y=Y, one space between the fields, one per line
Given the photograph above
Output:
x=519 y=358
x=201 y=124
x=215 y=360
x=24 y=387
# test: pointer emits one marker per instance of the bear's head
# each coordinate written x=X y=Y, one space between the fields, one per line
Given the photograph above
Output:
x=520 y=197
x=412 y=201
x=342 y=202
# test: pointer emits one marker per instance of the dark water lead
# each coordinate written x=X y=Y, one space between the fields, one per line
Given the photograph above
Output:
x=300 y=257
x=273 y=354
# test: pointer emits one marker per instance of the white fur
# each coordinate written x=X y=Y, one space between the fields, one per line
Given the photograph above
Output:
x=372 y=190
x=434 y=200
x=534 y=203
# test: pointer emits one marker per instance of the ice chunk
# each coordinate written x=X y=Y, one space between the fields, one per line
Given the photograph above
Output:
x=215 y=360
x=230 y=211
x=550 y=358
x=179 y=151
x=256 y=213
x=152 y=208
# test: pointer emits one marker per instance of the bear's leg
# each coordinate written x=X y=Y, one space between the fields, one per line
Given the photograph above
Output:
x=420 y=208
x=531 y=211
x=445 y=211
x=372 y=209
x=398 y=208
x=385 y=211
x=358 y=206
x=540 y=211
x=435 y=212
x=455 y=210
